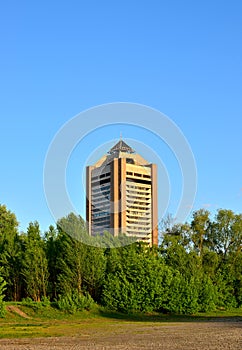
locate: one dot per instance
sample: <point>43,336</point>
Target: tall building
<point>121,192</point>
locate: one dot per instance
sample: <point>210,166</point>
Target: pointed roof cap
<point>121,146</point>
<point>121,150</point>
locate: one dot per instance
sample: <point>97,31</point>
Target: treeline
<point>197,266</point>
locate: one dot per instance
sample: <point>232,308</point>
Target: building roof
<point>121,150</point>
<point>121,146</point>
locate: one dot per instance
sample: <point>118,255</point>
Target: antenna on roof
<point>120,136</point>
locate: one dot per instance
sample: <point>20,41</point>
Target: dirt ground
<point>225,335</point>
<point>16,310</point>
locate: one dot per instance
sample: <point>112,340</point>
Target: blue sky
<point>58,58</point>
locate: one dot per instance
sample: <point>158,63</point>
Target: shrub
<point>74,301</point>
<point>45,301</point>
<point>207,295</point>
<point>36,305</point>
<point>2,304</point>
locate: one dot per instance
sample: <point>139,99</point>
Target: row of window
<point>135,187</point>
<point>139,218</point>
<point>139,198</point>
<point>142,192</point>
<point>144,236</point>
<point>104,198</point>
<point>102,223</point>
<point>100,188</point>
<point>101,207</point>
<point>139,208</point>
<point>138,213</point>
<point>136,202</point>
<point>101,176</point>
<point>137,195</point>
<point>138,224</point>
<point>130,173</point>
<point>104,213</point>
<point>139,229</point>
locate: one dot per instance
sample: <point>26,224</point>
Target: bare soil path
<point>16,310</point>
<point>221,335</point>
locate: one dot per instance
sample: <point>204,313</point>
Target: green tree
<point>93,269</point>
<point>51,255</point>
<point>11,261</point>
<point>227,232</point>
<point>69,264</point>
<point>177,254</point>
<point>200,227</point>
<point>8,226</point>
<point>35,265</point>
<point>207,294</point>
<point>137,279</point>
<point>210,263</point>
<point>10,253</point>
<point>183,294</point>
<point>80,267</point>
<point>235,261</point>
<point>71,253</point>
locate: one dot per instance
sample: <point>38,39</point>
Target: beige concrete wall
<point>154,204</point>
<point>114,197</point>
<point>119,205</point>
<point>122,187</point>
<point>88,198</point>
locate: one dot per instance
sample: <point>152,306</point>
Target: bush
<point>36,305</point>
<point>2,309</point>
<point>74,302</point>
<point>2,304</point>
<point>207,295</point>
<point>45,301</point>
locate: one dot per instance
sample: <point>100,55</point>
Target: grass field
<point>25,321</point>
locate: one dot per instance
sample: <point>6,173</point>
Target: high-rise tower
<point>121,191</point>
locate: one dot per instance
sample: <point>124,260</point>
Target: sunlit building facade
<point>121,191</point>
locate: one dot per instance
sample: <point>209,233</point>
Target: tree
<point>80,268</point>
<point>180,233</point>
<point>71,253</point>
<point>35,266</point>
<point>11,261</point>
<point>69,264</point>
<point>227,232</point>
<point>137,279</point>
<point>200,226</point>
<point>8,226</point>
<point>51,256</point>
<point>235,261</point>
<point>10,253</point>
<point>93,270</point>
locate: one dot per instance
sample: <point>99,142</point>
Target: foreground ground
<point>110,331</point>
